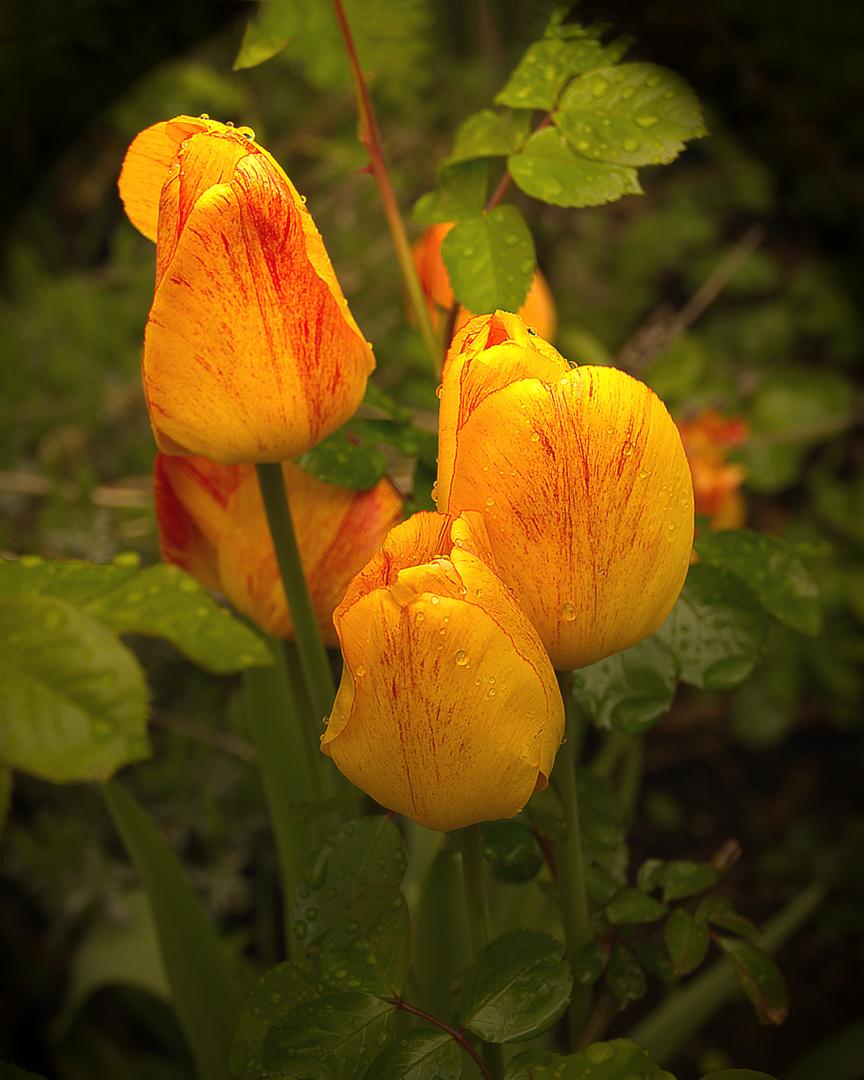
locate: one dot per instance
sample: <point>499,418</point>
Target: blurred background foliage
<point>767,211</point>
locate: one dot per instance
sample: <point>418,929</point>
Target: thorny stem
<point>371,139</point>
<point>457,1036</point>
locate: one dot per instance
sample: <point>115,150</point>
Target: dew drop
<point>420,616</point>
<point>531,331</point>
<point>568,611</point>
<point>627,449</point>
<point>630,145</point>
<point>643,474</point>
<point>360,671</point>
<point>535,436</point>
<point>490,500</point>
<point>434,600</point>
<point>462,658</point>
<point>598,1052</point>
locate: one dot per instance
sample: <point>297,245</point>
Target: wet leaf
<point>687,940</point>
<point>759,977</point>
<point>461,192</point>
<point>491,134</point>
<point>630,691</point>
<point>338,460</point>
<point>625,975</point>
<point>547,65</point>
<point>618,1059</point>
<point>682,877</point>
<point>548,168</point>
<point>375,962</point>
<point>632,906</point>
<point>490,260</point>
<point>424,1053</point>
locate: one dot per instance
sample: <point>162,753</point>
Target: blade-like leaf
<point>490,260</point>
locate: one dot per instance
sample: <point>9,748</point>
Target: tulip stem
<point>313,655</point>
<point>371,139</point>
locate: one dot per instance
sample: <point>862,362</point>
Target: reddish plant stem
<point>454,1034</point>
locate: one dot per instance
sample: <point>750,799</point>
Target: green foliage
<point>337,460</point>
<point>490,260</point>
<point>759,977</point>
<point>615,1060</point>
<point>424,1053</point>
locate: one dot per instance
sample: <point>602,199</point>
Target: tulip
<point>707,439</point>
<point>448,711</point>
<point>212,523</point>
<point>250,352</point>
<point>582,481</point>
<point>538,311</point>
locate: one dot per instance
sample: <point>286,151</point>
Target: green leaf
<point>717,630</point>
<point>490,134</point>
<point>548,168</point>
<point>352,878</point>
<point>424,1053</point>
<point>648,875</point>
<point>490,260</point>
<point>759,977</point>
<point>268,32</point>
<point>773,569</point>
<point>720,911</point>
<point>546,66</point>
<point>590,964</point>
<point>326,1037</point>
<point>625,975</point>
<point>749,1074</point>
<point>631,690</point>
<point>517,988</point>
<point>687,940</point>
<point>70,579</point>
<point>522,1066</point>
<point>461,192</point>
<point>682,877</point>
<point>614,1060</point>
<point>411,441</point>
<point>510,847</point>
<point>276,992</point>
<point>632,906</point>
<point>605,854</point>
<point>73,699</point>
<point>203,988</point>
<point>655,959</point>
<point>630,114</point>
<point>337,460</point>
<point>375,962</point>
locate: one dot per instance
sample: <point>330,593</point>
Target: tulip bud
<point>538,311</point>
<point>250,352</point>
<point>212,523</point>
<point>448,711</point>
<point>582,481</point>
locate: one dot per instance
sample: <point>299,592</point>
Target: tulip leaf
<point>717,630</point>
<point>687,940</point>
<point>633,906</point>
<point>350,881</point>
<point>548,168</point>
<point>424,1053</point>
<point>625,975</point>
<point>682,877</point>
<point>772,568</point>
<point>630,691</point>
<point>517,988</point>
<point>547,65</point>
<point>329,1036</point>
<point>375,962</point>
<point>490,260</point>
<point>276,992</point>
<point>629,114</point>
<point>491,134</point>
<point>461,192</point>
<point>340,461</point>
<point>613,1060</point>
<point>73,699</point>
<point>760,979</point>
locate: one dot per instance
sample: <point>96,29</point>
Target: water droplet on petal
<point>568,611</point>
<point>462,658</point>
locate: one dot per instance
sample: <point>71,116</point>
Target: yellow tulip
<point>250,352</point>
<point>448,711</point>
<point>212,523</point>
<point>582,481</point>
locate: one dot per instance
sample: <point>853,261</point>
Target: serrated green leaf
<point>522,1066</point>
<point>631,690</point>
<point>490,134</point>
<point>411,441</point>
<point>630,114</point>
<point>625,975</point>
<point>759,977</point>
<point>334,1035</point>
<point>461,192</point>
<point>517,988</point>
<point>687,940</point>
<point>632,906</point>
<point>73,699</point>
<point>350,881</point>
<point>614,1060</point>
<point>548,168</point>
<point>276,992</point>
<point>490,260</point>
<point>682,877</point>
<point>424,1053</point>
<point>773,569</point>
<point>375,962</point>
<point>720,911</point>
<point>717,630</point>
<point>69,579</point>
<point>338,460</point>
<point>547,65</point>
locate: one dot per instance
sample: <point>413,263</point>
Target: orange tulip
<point>250,352</point>
<point>582,481</point>
<point>538,311</point>
<point>448,710</point>
<point>212,523</point>
<point>716,482</point>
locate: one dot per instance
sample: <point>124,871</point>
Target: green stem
<point>686,1011</point>
<point>310,647</point>
<point>371,139</point>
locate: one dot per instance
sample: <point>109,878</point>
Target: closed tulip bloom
<point>582,481</point>
<point>538,311</point>
<point>448,711</point>
<point>212,523</point>
<point>250,351</point>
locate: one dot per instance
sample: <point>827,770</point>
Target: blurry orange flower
<point>538,311</point>
<point>716,482</point>
<point>212,523</point>
<point>250,352</point>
